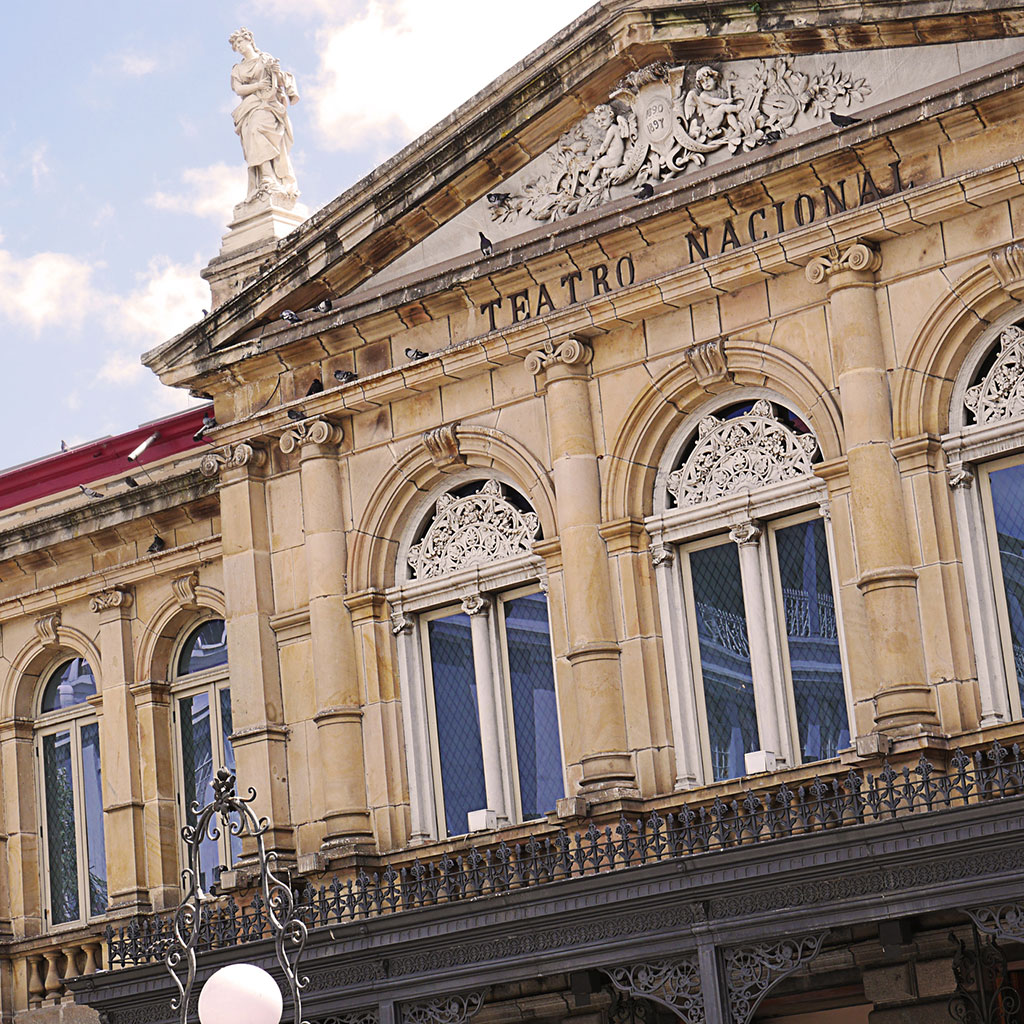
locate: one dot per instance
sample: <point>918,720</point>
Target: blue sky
<point>119,166</point>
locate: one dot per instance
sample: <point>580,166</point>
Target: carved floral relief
<point>663,121</point>
<point>1000,393</point>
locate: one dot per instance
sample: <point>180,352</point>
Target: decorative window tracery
<point>999,395</point>
<point>472,530</point>
<point>741,453</point>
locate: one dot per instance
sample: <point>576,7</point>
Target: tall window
<point>745,578</point>
<point>482,715</point>
<point>68,751</point>
<point>202,703</point>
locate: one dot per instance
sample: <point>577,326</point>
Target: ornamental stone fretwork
<point>231,457</point>
<point>675,984</point>
<point>114,597</point>
<point>858,256</point>
<point>1008,264</point>
<point>1000,394</point>
<point>571,352</point>
<point>741,453</point>
<point>752,971</point>
<point>476,529</point>
<point>442,445</point>
<point>310,432</point>
<point>663,121</point>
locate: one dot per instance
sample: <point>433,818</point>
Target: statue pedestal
<point>250,243</point>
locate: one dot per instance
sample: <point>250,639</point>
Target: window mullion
<point>747,537</point>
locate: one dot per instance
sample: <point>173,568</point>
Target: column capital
<point>746,533</point>
<point>570,353</point>
<point>475,604</point>
<point>232,457</point>
<point>857,256</point>
<point>111,598</point>
<point>318,432</point>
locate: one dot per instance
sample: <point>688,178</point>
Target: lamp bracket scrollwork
<point>672,983</point>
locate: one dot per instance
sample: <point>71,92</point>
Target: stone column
<point>747,537</point>
<point>123,823</point>
<point>593,644</point>
<point>256,701</point>
<point>904,702</point>
<point>336,676</point>
<point>478,608</point>
<point>21,825</point>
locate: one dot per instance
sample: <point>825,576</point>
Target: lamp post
<point>238,993</point>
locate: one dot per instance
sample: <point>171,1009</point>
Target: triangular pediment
<point>629,102</point>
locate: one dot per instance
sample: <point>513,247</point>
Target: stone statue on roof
<point>261,119</point>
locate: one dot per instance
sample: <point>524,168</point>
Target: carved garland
<point>1000,396</point>
<point>742,453</point>
<point>474,530</point>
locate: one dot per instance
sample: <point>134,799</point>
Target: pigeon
<point>63,446</point>
<point>486,246</point>
<point>324,307</point>
<point>158,545</point>
<point>315,388</point>
<point>291,316</point>
<point>415,353</point>
<point>208,421</point>
<point>645,191</point>
<point>131,481</point>
<point>206,312</point>
<point>89,492</point>
<point>842,121</point>
<point>498,198</point>
<point>345,376</point>
<point>296,414</point>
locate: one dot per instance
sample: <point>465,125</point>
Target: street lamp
<point>239,993</point>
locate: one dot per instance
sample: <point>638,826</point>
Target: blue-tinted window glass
<point>813,640</point>
<point>534,711</point>
<point>70,684</point>
<point>92,798</point>
<point>197,769</point>
<point>724,658</point>
<point>206,647</point>
<point>1008,507</point>
<point>61,838</point>
<point>458,723</point>
<point>229,758</point>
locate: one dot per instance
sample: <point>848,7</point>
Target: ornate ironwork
<point>984,994</point>
<point>1002,921</point>
<point>750,819</point>
<point>675,984</point>
<point>357,1017</point>
<point>627,1010</point>
<point>274,906</point>
<point>444,1010</point>
<point>752,971</point>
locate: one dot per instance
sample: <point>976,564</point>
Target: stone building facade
<point>613,587</point>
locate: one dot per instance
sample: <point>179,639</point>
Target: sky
<point>119,167</point>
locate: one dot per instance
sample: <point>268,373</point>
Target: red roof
<point>97,460</point>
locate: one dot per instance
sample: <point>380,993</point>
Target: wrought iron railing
<point>750,819</point>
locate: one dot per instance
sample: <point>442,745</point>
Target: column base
<point>607,771</point>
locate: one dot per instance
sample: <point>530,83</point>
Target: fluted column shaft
<point>593,645</point>
<point>339,699</point>
<point>904,702</point>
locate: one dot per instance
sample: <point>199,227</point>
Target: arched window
<point>985,450</point>
<point>68,753</point>
<point>472,621</point>
<point>743,563</point>
<point>202,712</point>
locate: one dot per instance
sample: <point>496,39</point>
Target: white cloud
<point>358,102</point>
<point>47,289</point>
<point>170,297</point>
<point>135,65</point>
<point>38,165</point>
<point>207,192</point>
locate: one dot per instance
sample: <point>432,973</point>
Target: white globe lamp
<point>240,994</point>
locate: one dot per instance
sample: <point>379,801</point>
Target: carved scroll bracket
<point>184,588</point>
<point>318,432</point>
<point>752,971</point>
<point>46,628</point>
<point>450,1010</point>
<point>675,984</point>
<point>858,256</point>
<point>571,352</point>
<point>707,360</point>
<point>1008,264</point>
<point>232,457</point>
<point>442,444</point>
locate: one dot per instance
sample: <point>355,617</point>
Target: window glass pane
<point>229,760</point>
<point>62,851</point>
<point>724,658</point>
<point>534,713</point>
<point>92,798</point>
<point>1008,507</point>
<point>197,769</point>
<point>458,724</point>
<point>69,685</point>
<point>813,640</point>
<point>206,647</point>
